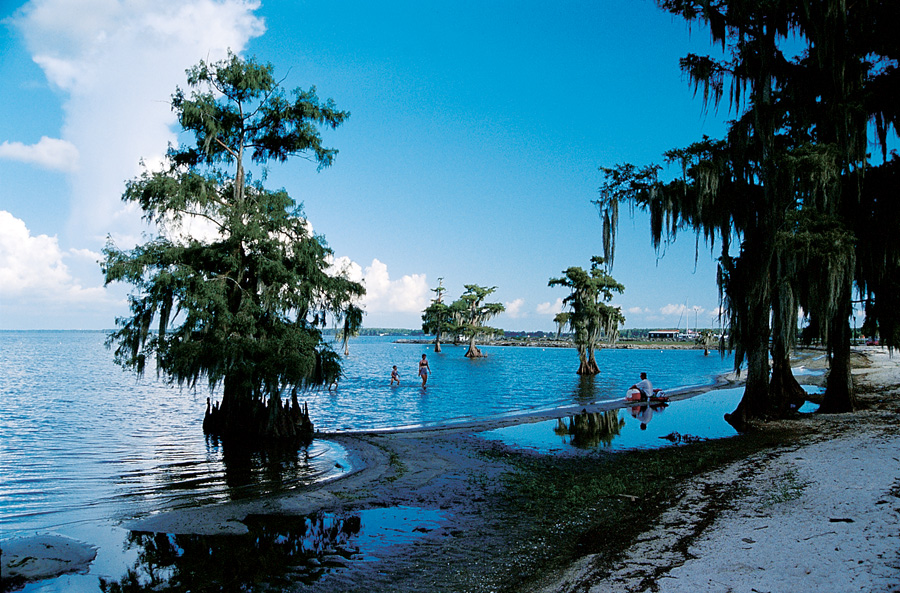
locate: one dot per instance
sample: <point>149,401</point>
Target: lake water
<point>509,380</point>
<point>83,442</point>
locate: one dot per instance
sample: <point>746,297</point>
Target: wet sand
<point>795,521</point>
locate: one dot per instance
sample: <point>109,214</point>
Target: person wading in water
<point>424,369</point>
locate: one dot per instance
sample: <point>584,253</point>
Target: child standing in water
<point>424,369</point>
<point>395,376</point>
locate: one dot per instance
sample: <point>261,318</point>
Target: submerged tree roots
<point>274,421</point>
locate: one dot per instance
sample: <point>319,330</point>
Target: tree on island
<point>244,309</point>
<point>591,318</point>
<point>437,318</point>
<point>474,313</point>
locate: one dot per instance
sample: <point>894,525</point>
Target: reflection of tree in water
<point>590,388</point>
<point>276,552</point>
<point>264,470</point>
<point>590,429</point>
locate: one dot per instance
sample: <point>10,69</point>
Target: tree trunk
<point>473,351</point>
<point>437,341</point>
<point>757,250</point>
<point>755,404</point>
<point>235,417</point>
<point>839,396</point>
<point>785,392</point>
<point>588,364</point>
<point>244,419</point>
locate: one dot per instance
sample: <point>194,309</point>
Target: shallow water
<point>83,442</point>
<point>644,426</point>
<point>509,380</point>
<point>80,439</point>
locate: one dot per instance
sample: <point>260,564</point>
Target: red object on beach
<point>634,395</point>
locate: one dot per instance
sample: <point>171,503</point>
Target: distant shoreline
<point>539,343</point>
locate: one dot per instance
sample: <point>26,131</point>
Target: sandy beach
<point>824,516</point>
<point>821,514</point>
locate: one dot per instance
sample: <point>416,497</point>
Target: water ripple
<point>82,440</point>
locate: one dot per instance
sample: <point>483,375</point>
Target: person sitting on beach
<point>644,386</point>
<point>395,376</point>
<point>424,369</point>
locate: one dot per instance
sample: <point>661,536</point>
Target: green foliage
<point>244,308</point>
<point>470,313</point>
<point>476,312</point>
<point>796,151</point>
<point>591,318</point>
<point>784,488</point>
<point>237,104</point>
<point>561,320</point>
<point>437,318</point>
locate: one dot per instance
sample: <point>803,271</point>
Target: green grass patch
<point>599,503</point>
<point>786,487</point>
<point>398,465</point>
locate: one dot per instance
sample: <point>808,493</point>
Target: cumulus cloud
<point>637,311</point>
<point>514,308</point>
<point>408,294</point>
<point>671,309</point>
<point>550,308</point>
<point>118,63</point>
<point>33,267</point>
<point>48,153</point>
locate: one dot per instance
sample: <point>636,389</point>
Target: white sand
<point>45,556</point>
<point>823,517</point>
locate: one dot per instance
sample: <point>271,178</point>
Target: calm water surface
<point>507,381</point>
<point>83,442</point>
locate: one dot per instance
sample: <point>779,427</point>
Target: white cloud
<point>32,267</point>
<point>671,309</point>
<point>514,308</point>
<point>637,311</point>
<point>408,294</point>
<point>118,63</point>
<point>86,255</point>
<point>48,153</point>
<point>550,308</point>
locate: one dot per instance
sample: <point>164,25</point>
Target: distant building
<point>663,334</point>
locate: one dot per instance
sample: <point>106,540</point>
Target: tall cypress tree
<point>244,308</point>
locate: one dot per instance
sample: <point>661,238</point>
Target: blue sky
<point>471,153</point>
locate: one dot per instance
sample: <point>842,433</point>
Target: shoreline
<point>780,520</point>
<point>552,343</point>
<point>434,467</point>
